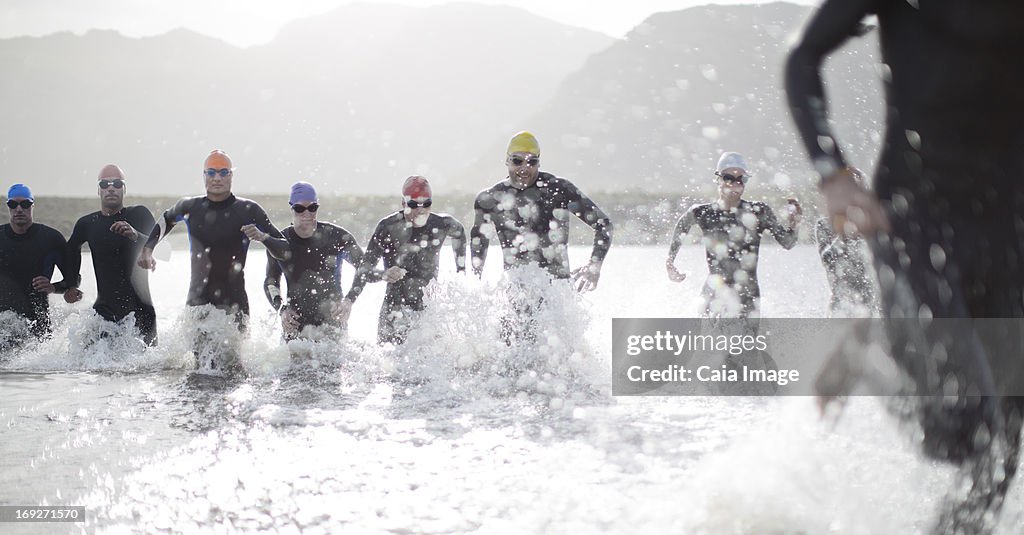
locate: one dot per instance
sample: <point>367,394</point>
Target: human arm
<point>786,236</point>
<point>170,218</point>
<point>368,262</point>
<point>586,277</point>
<point>478,240</point>
<point>272,282</point>
<point>457,236</point>
<point>850,207</point>
<point>683,225</point>
<point>74,263</point>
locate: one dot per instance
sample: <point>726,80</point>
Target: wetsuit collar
<point>225,202</point>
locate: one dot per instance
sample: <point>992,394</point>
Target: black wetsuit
<point>24,257</point>
<point>418,251</point>
<point>532,224</point>
<point>732,241</point>
<point>121,286</point>
<point>846,266</point>
<point>950,178</point>
<point>312,267</point>
<point>218,248</point>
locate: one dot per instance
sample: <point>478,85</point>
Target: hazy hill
<point>355,99</point>
<point>653,111</point>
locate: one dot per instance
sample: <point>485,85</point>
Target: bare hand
<point>394,274</point>
<point>72,295</point>
<point>146,260</point>
<point>124,228</point>
<point>43,285</point>
<point>674,274</point>
<point>853,209</point>
<point>289,321</point>
<point>795,213</point>
<point>254,233</point>
<point>342,311</point>
<point>585,278</point>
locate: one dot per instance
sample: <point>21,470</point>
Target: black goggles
<point>299,208</point>
<point>117,183</point>
<point>211,172</point>
<point>414,204</point>
<point>24,204</point>
<point>736,179</point>
<point>519,161</point>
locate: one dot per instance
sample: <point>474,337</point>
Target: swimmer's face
<point>111,192</point>
<point>730,183</point>
<point>21,216</point>
<point>218,172</point>
<point>416,210</point>
<point>304,213</point>
<point>523,168</point>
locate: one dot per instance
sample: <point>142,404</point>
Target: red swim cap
<point>416,187</point>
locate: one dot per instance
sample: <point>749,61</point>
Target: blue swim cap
<point>20,190</point>
<point>302,192</point>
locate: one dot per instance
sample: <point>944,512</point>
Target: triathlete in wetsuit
<point>218,243</point>
<point>732,230</point>
<point>28,253</point>
<point>311,263</point>
<point>410,243</point>
<point>529,215</point>
<point>116,235</point>
<point>951,196</point>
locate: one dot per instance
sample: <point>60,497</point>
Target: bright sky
<point>251,22</point>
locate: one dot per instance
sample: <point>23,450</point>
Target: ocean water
<point>454,432</point>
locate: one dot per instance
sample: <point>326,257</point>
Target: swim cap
<point>416,187</point>
<point>302,192</point>
<point>732,160</point>
<point>20,190</point>
<point>111,171</point>
<point>218,159</point>
<point>523,142</point>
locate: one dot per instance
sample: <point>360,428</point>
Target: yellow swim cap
<point>524,142</point>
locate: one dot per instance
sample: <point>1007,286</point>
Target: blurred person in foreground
<point>943,220</point>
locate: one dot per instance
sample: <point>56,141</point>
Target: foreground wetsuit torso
<point>950,178</point>
<point>121,287</point>
<point>415,249</point>
<point>732,241</point>
<point>218,247</point>
<point>532,224</point>
<point>24,257</point>
<point>312,267</point>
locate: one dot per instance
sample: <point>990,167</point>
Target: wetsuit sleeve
<point>833,23</point>
<point>272,282</point>
<point>785,236</point>
<point>170,218</point>
<point>59,257</point>
<point>353,253</point>
<point>374,251</point>
<point>73,277</point>
<point>457,235</point>
<point>478,241</point>
<point>275,242</point>
<point>587,211</point>
<point>686,221</point>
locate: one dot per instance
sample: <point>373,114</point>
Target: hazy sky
<point>249,22</point>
